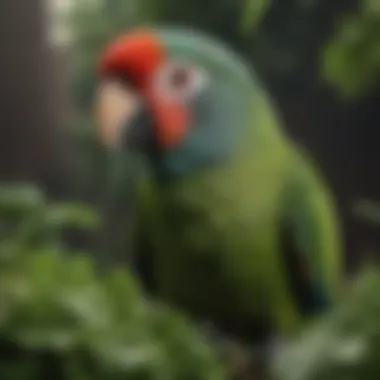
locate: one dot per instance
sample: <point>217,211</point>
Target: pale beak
<point>116,105</point>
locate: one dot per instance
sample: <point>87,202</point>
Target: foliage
<point>345,345</point>
<point>59,318</point>
<point>28,220</point>
<point>253,13</point>
<point>352,59</point>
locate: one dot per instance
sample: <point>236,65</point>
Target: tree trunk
<point>29,106</point>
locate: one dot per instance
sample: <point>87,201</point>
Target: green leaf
<point>72,215</point>
<point>253,13</point>
<point>351,60</point>
<point>19,199</point>
<point>345,344</point>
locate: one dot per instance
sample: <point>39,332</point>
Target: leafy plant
<point>59,318</point>
<point>253,13</point>
<point>28,219</point>
<point>351,60</point>
<point>345,345</point>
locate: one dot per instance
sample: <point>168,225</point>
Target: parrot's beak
<point>124,119</point>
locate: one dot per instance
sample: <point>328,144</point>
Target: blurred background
<point>320,61</point>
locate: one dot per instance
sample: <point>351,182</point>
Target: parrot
<point>235,223</point>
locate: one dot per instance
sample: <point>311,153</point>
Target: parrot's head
<point>177,96</point>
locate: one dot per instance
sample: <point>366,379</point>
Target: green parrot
<point>236,223</point>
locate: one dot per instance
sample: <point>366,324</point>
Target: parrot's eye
<point>180,81</point>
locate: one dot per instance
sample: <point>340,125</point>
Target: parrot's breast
<point>217,231</point>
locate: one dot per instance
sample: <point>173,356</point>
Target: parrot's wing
<point>311,239</point>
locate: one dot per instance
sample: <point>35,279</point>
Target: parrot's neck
<point>262,147</point>
<point>244,133</point>
<point>249,180</point>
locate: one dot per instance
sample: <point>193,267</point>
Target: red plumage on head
<point>134,56</point>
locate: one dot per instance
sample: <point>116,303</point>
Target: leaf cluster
<point>60,319</point>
